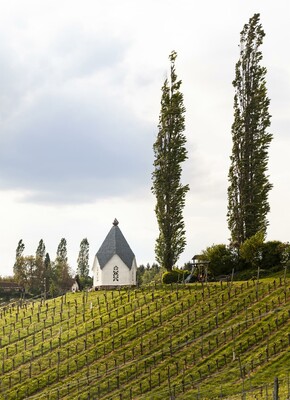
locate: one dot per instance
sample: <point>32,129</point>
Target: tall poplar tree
<point>249,184</point>
<point>39,260</point>
<point>83,264</point>
<point>83,259</point>
<point>170,152</point>
<point>19,266</point>
<point>62,277</point>
<point>40,251</point>
<point>48,274</point>
<point>20,249</point>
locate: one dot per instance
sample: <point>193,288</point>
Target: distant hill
<point>192,341</point>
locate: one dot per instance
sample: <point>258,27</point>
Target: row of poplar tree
<point>249,184</point>
<point>38,274</point>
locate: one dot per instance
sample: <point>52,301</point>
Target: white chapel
<point>115,263</point>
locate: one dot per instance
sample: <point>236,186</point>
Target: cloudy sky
<point>79,104</point>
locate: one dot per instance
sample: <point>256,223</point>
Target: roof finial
<point>116,222</point>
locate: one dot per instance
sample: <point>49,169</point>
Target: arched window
<point>115,273</point>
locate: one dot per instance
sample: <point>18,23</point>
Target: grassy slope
<point>188,341</point>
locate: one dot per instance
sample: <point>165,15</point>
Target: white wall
<point>105,276</point>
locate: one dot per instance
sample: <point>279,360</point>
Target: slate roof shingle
<point>115,243</point>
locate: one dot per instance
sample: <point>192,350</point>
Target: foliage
<point>62,279</point>
<point>174,276</point>
<point>37,279</point>
<point>222,259</point>
<point>83,264</point>
<point>170,152</point>
<point>139,273</point>
<point>30,276</point>
<point>286,254</point>
<point>148,274</point>
<point>249,185</point>
<point>83,259</point>
<point>18,268</point>
<point>254,252</point>
<point>6,278</point>
<point>251,249</point>
<point>20,249</point>
<point>33,275</point>
<point>29,271</point>
<point>272,254</point>
<point>48,274</point>
<point>187,266</point>
<point>40,251</point>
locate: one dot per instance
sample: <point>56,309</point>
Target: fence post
<point>276,389</point>
<point>266,391</point>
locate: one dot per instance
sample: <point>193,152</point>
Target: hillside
<point>183,341</point>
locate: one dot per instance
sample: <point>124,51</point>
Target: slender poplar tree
<point>248,181</point>
<point>40,251</point>
<point>48,274</point>
<point>170,152</point>
<point>39,273</point>
<point>20,250</point>
<point>61,262</point>
<point>83,264</point>
<point>62,277</point>
<point>39,259</point>
<point>19,266</point>
<point>83,259</point>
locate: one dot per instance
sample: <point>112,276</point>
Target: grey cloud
<point>64,137</point>
<point>65,151</point>
<point>82,53</point>
<point>73,54</point>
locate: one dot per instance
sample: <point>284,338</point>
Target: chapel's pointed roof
<point>115,243</point>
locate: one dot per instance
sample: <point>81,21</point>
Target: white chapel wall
<point>116,272</point>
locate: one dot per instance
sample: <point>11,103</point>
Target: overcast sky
<point>80,89</point>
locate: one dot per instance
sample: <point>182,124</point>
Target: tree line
<point>249,183</point>
<point>38,274</point>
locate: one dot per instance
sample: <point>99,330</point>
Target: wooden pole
<point>257,283</point>
<point>276,389</point>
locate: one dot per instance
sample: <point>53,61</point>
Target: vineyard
<point>195,341</point>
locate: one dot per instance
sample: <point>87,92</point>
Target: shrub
<point>264,254</point>
<point>176,275</point>
<point>272,254</point>
<point>251,249</point>
<point>222,259</point>
<point>150,274</point>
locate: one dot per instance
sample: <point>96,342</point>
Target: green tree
<point>148,274</point>
<point>20,249</point>
<point>251,249</point>
<point>39,264</point>
<point>249,184</point>
<point>33,285</point>
<point>19,270</point>
<point>222,259</point>
<point>25,274</point>
<point>83,264</point>
<point>139,273</point>
<point>83,259</point>
<point>62,279</point>
<point>47,275</point>
<point>170,152</point>
<point>40,251</point>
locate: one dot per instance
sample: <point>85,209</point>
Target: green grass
<point>187,341</point>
